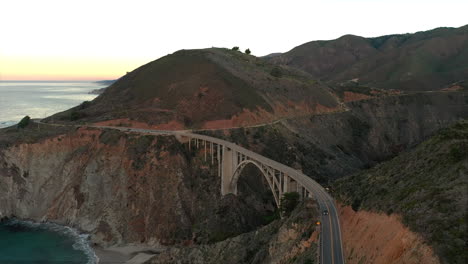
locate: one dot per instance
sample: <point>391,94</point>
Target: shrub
<point>84,105</point>
<point>236,48</point>
<point>272,217</point>
<point>276,72</point>
<point>24,122</point>
<point>247,51</point>
<point>76,115</point>
<point>356,205</point>
<point>459,152</point>
<point>289,201</point>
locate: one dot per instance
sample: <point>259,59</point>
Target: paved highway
<point>331,251</point>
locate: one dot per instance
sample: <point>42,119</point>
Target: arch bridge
<point>231,159</point>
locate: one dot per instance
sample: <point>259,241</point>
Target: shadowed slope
<point>426,185</point>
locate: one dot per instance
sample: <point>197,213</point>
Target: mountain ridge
<point>421,61</point>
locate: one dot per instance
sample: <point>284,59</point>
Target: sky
<point>100,39</point>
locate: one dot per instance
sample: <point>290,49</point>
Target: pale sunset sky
<point>99,39</point>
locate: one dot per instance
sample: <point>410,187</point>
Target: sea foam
<point>81,241</point>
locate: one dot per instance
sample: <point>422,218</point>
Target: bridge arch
<point>266,172</point>
<point>232,159</point>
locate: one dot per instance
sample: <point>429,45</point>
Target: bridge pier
<point>231,162</point>
<point>228,166</point>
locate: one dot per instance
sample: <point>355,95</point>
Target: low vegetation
<point>288,203</point>
<point>30,133</point>
<point>427,186</point>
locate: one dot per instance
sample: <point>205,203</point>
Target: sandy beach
<point>131,254</point>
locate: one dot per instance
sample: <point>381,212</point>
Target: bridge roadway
<point>331,251</point>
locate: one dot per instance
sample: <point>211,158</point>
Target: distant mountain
<point>106,82</point>
<point>101,90</point>
<point>208,88</point>
<point>97,91</point>
<point>429,60</point>
<point>272,55</point>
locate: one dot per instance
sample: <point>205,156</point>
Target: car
<point>325,212</point>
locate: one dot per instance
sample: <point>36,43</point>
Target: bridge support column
<point>285,183</point>
<point>211,153</point>
<point>292,187</point>
<point>218,156</point>
<point>228,167</point>
<point>205,149</point>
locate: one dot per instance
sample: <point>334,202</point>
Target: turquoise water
<point>24,242</point>
<point>40,99</point>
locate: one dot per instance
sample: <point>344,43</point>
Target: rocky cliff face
<point>124,188</point>
<point>290,240</point>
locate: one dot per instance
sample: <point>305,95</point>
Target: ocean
<point>39,99</point>
<point>25,242</point>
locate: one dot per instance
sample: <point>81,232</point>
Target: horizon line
<point>58,80</point>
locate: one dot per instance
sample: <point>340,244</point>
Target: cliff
<point>125,188</point>
<point>148,190</point>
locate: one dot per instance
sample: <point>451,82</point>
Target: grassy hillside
<point>195,86</point>
<point>427,186</point>
<point>427,60</point>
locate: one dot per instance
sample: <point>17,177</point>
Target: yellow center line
<point>331,232</point>
<point>331,228</point>
<point>321,246</point>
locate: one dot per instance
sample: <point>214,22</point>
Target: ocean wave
<point>7,123</point>
<point>81,241</point>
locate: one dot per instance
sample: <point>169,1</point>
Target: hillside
<point>429,60</point>
<point>427,186</point>
<point>329,146</point>
<point>206,88</point>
